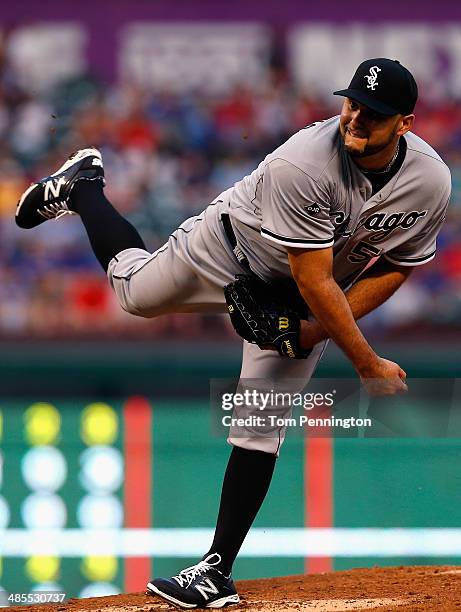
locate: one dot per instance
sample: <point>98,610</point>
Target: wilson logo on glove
<point>289,349</point>
<point>284,323</point>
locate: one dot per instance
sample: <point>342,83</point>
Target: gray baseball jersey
<point>309,193</point>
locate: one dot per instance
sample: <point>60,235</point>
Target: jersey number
<point>363,251</point>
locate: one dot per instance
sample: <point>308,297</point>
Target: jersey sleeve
<point>422,248</point>
<point>295,209</point>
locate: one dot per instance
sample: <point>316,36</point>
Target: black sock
<point>246,482</point>
<point>108,231</point>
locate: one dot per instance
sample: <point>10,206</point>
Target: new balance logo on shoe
<point>50,198</point>
<point>206,587</point>
<point>53,188</point>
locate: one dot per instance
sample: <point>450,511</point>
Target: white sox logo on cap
<point>395,93</point>
<point>371,78</point>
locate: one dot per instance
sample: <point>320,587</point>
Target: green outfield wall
<point>77,368</point>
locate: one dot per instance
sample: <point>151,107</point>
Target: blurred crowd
<point>166,156</point>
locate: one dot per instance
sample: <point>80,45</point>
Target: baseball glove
<point>267,314</point>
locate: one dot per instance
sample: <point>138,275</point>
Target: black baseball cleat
<point>198,586</point>
<point>50,197</point>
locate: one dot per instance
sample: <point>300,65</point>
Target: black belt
<point>230,235</point>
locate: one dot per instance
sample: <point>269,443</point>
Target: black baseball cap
<point>384,85</point>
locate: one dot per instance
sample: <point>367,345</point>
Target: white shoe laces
<point>187,575</point>
<point>55,210</point>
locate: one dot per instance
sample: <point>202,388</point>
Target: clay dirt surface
<point>398,589</point>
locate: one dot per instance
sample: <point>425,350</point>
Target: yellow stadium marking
<point>43,569</point>
<point>42,424</point>
<point>99,424</point>
<point>100,568</point>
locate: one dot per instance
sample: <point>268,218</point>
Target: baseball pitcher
<point>291,242</point>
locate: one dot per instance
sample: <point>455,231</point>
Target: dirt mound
<point>384,589</point>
